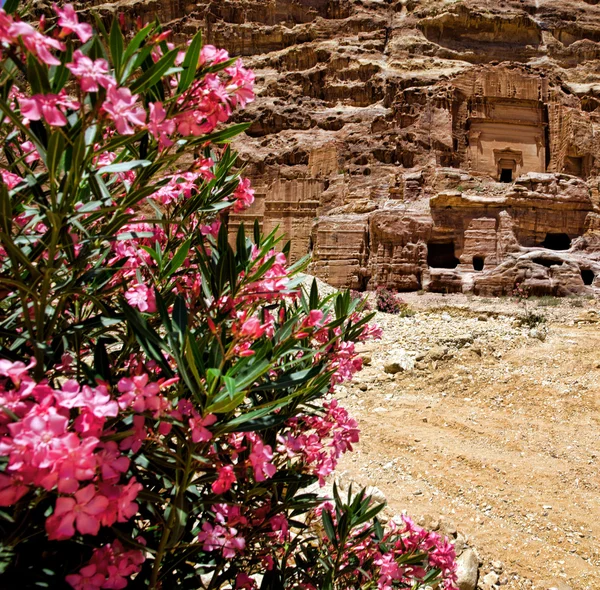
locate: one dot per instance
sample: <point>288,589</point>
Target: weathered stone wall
<point>381,130</point>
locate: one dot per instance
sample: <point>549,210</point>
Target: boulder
<point>468,570</point>
<point>399,361</point>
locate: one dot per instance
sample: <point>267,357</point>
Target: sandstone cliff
<point>419,144</point>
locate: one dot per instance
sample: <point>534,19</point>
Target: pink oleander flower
<point>15,370</point>
<point>88,578</point>
<point>241,84</point>
<point>12,489</point>
<point>47,107</point>
<point>215,538</point>
<point>120,106</point>
<point>198,426</point>
<point>211,230</point>
<point>9,179</point>
<point>244,582</point>
<point>260,458</point>
<point>36,42</point>
<point>210,54</point>
<point>82,512</point>
<point>91,73</point>
<point>125,505</point>
<point>280,526</point>
<point>112,563</point>
<point>140,394</point>
<point>111,462</point>
<point>5,23</point>
<point>95,399</point>
<point>314,318</point>
<point>68,20</point>
<point>209,106</point>
<point>252,328</point>
<point>244,195</point>
<point>35,439</point>
<point>203,167</point>
<point>142,297</point>
<point>138,436</point>
<point>77,462</point>
<point>224,481</point>
<point>161,127</point>
<point>30,152</point>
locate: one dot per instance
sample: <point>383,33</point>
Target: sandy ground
<point>502,439</point>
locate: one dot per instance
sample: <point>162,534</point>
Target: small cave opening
<point>441,255</point>
<point>478,262</point>
<point>587,276</point>
<point>556,242</point>
<point>506,175</point>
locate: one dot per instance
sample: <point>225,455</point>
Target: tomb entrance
<point>441,255</point>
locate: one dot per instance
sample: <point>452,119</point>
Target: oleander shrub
<point>389,302</point>
<point>165,395</point>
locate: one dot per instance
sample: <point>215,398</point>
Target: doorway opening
<point>557,242</point>
<point>478,262</point>
<point>506,175</point>
<point>587,276</point>
<point>441,255</point>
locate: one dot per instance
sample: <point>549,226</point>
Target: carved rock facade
<point>420,144</point>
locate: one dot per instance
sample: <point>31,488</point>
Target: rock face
<point>392,141</point>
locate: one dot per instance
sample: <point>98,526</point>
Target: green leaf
<point>60,74</point>
<point>224,135</point>
<point>37,74</point>
<point>178,259</point>
<point>314,295</point>
<point>180,314</point>
<point>190,63</point>
<point>124,166</point>
<point>136,42</point>
<point>55,152</point>
<point>10,6</point>
<point>152,75</point>
<point>148,339</point>
<point>329,528</point>
<point>116,45</point>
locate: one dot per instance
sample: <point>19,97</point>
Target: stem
<point>162,547</point>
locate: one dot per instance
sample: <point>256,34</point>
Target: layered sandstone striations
<point>441,145</point>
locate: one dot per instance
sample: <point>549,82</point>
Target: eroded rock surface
<point>437,145</point>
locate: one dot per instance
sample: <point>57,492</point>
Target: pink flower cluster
<point>244,196</point>
<point>414,539</point>
<point>273,284</point>
<point>50,107</point>
<point>52,440</point>
<point>319,441</point>
<point>426,551</point>
<point>182,185</point>
<point>211,101</point>
<point>109,567</point>
<point>206,104</point>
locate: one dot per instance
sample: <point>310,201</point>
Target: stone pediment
<point>509,154</point>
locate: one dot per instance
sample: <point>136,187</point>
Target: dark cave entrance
<point>478,263</point>
<point>441,255</point>
<point>556,242</point>
<point>587,276</point>
<point>506,175</point>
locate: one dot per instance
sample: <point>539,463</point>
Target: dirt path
<point>505,445</point>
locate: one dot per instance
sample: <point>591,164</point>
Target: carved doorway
<point>508,162</point>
